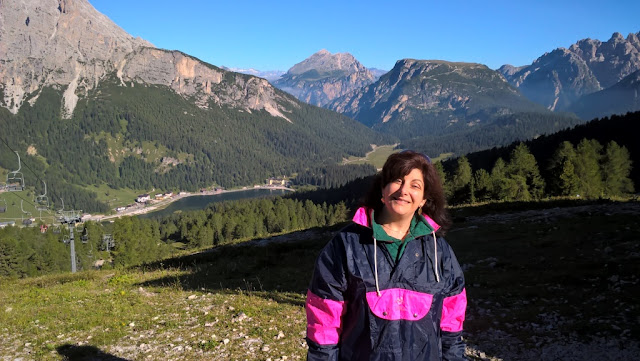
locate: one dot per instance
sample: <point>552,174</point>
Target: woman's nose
<point>404,188</point>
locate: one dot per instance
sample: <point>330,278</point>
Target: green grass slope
<point>547,278</point>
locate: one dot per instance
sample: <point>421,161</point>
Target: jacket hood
<point>363,218</point>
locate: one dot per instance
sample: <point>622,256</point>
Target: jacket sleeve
<point>453,309</point>
<point>325,303</point>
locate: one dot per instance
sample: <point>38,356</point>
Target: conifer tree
<point>587,167</point>
<point>461,181</point>
<point>523,168</point>
<point>499,180</point>
<point>616,167</point>
<point>443,177</point>
<point>483,185</point>
<point>564,180</point>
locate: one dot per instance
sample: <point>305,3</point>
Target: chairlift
<point>85,235</point>
<point>15,179</point>
<point>55,229</point>
<point>70,217</point>
<point>3,205</point>
<point>42,201</point>
<point>107,242</point>
<point>23,211</point>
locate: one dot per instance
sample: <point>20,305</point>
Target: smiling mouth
<point>400,200</point>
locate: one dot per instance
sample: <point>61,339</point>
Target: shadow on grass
<point>273,270</point>
<point>86,353</point>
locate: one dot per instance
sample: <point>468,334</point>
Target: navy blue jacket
<point>414,311</point>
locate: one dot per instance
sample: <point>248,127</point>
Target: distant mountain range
<point>419,97</point>
<point>84,103</point>
<point>556,80</point>
<point>620,98</point>
<point>270,75</point>
<point>561,77</point>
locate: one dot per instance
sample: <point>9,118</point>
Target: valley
<point>539,163</point>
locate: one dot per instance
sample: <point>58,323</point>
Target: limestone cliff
<point>69,45</point>
<point>560,77</point>
<point>430,96</point>
<point>324,77</point>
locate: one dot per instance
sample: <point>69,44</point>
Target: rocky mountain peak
<point>560,77</point>
<point>324,76</point>
<point>68,44</point>
<point>616,37</point>
<point>325,62</point>
<point>417,93</point>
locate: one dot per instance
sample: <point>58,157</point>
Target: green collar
<point>419,227</point>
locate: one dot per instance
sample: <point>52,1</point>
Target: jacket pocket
<point>399,304</point>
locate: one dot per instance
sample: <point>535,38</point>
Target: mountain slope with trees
<point>562,76</point>
<point>591,160</point>
<point>620,98</point>
<point>147,137</point>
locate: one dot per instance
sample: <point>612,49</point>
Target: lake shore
<point>147,208</point>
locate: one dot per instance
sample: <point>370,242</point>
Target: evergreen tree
<point>500,183</point>
<point>461,181</point>
<point>445,181</point>
<point>564,180</point>
<point>616,168</point>
<point>523,168</point>
<point>483,187</point>
<point>588,156</point>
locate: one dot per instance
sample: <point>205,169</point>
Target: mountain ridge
<point>435,95</point>
<point>323,77</point>
<point>61,55</point>
<point>559,77</point>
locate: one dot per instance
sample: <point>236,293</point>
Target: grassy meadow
<point>537,275</point>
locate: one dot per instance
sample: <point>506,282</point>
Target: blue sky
<point>275,35</point>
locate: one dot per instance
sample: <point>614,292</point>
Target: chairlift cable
<point>23,162</point>
<point>34,173</point>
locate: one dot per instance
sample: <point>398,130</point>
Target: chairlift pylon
<point>15,179</point>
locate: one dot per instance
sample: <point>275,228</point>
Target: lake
<point>198,202</point>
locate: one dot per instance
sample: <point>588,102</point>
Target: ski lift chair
<point>15,179</point>
<point>85,235</point>
<point>42,201</point>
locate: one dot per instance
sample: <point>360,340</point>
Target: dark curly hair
<point>399,165</point>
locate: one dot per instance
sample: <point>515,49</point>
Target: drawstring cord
<point>375,260</point>
<point>435,252</point>
<point>375,264</point>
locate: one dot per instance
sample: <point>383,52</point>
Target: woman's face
<point>403,196</point>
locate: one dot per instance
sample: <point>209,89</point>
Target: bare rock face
<point>559,78</point>
<point>416,89</point>
<point>324,77</point>
<point>69,45</point>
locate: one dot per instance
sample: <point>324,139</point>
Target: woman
<point>385,288</point>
